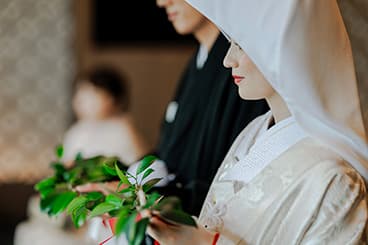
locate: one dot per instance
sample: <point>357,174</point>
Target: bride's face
<point>251,82</point>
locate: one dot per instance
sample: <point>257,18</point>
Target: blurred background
<point>45,43</point>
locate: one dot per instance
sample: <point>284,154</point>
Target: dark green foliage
<point>129,203</point>
<point>58,192</point>
<point>146,162</point>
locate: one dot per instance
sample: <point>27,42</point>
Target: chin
<point>248,96</point>
<point>242,95</point>
<point>183,31</point>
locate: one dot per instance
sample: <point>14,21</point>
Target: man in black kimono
<point>206,113</point>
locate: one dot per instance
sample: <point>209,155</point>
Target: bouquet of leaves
<point>132,203</point>
<point>58,190</point>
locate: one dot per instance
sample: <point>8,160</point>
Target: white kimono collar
<point>269,146</point>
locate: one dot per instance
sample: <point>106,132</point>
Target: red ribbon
<point>215,238</point>
<point>112,224</point>
<point>108,239</point>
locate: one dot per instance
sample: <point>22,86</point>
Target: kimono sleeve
<point>342,215</point>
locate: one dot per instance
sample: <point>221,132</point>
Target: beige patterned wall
<point>36,66</point>
<point>355,13</point>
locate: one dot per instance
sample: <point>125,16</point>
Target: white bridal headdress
<point>303,50</point>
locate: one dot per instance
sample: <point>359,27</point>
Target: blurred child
<point>104,125</point>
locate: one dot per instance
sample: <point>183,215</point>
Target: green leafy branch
<point>132,203</point>
<point>58,191</point>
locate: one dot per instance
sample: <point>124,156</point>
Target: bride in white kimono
<point>298,174</point>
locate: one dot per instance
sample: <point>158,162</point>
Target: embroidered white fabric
<point>271,144</point>
<point>246,159</point>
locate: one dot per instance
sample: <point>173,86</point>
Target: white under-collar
<point>267,147</point>
<point>202,56</point>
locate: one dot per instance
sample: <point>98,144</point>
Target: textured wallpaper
<point>36,69</point>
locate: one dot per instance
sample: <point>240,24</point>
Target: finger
<point>84,188</point>
<point>92,187</point>
<point>113,185</point>
<point>102,187</point>
<point>155,228</point>
<point>164,221</point>
<point>156,221</point>
<point>106,216</point>
<point>152,232</point>
<point>69,164</point>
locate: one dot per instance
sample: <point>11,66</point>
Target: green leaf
<point>145,163</point>
<point>46,192</point>
<point>177,216</point>
<point>168,203</point>
<point>126,190</point>
<point>130,228</point>
<point>59,151</point>
<point>97,178</point>
<point>78,157</point>
<point>119,185</point>
<point>72,176</point>
<point>122,176</point>
<point>140,231</point>
<point>94,196</point>
<point>62,187</point>
<point>46,202</point>
<point>61,202</point>
<point>45,184</point>
<point>147,173</point>
<point>113,213</point>
<point>79,216</point>
<point>152,198</point>
<point>59,169</point>
<point>149,184</point>
<point>103,208</point>
<point>96,172</point>
<point>170,209</point>
<point>109,170</point>
<point>110,161</point>
<point>128,194</point>
<point>94,199</point>
<point>122,220</point>
<point>77,203</point>
<point>113,199</point>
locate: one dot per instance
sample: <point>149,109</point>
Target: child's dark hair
<point>109,80</point>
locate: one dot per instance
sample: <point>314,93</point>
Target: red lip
<point>237,79</point>
<point>171,16</point>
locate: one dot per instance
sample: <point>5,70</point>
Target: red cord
<point>112,223</point>
<point>215,238</point>
<point>156,243</point>
<point>108,239</point>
